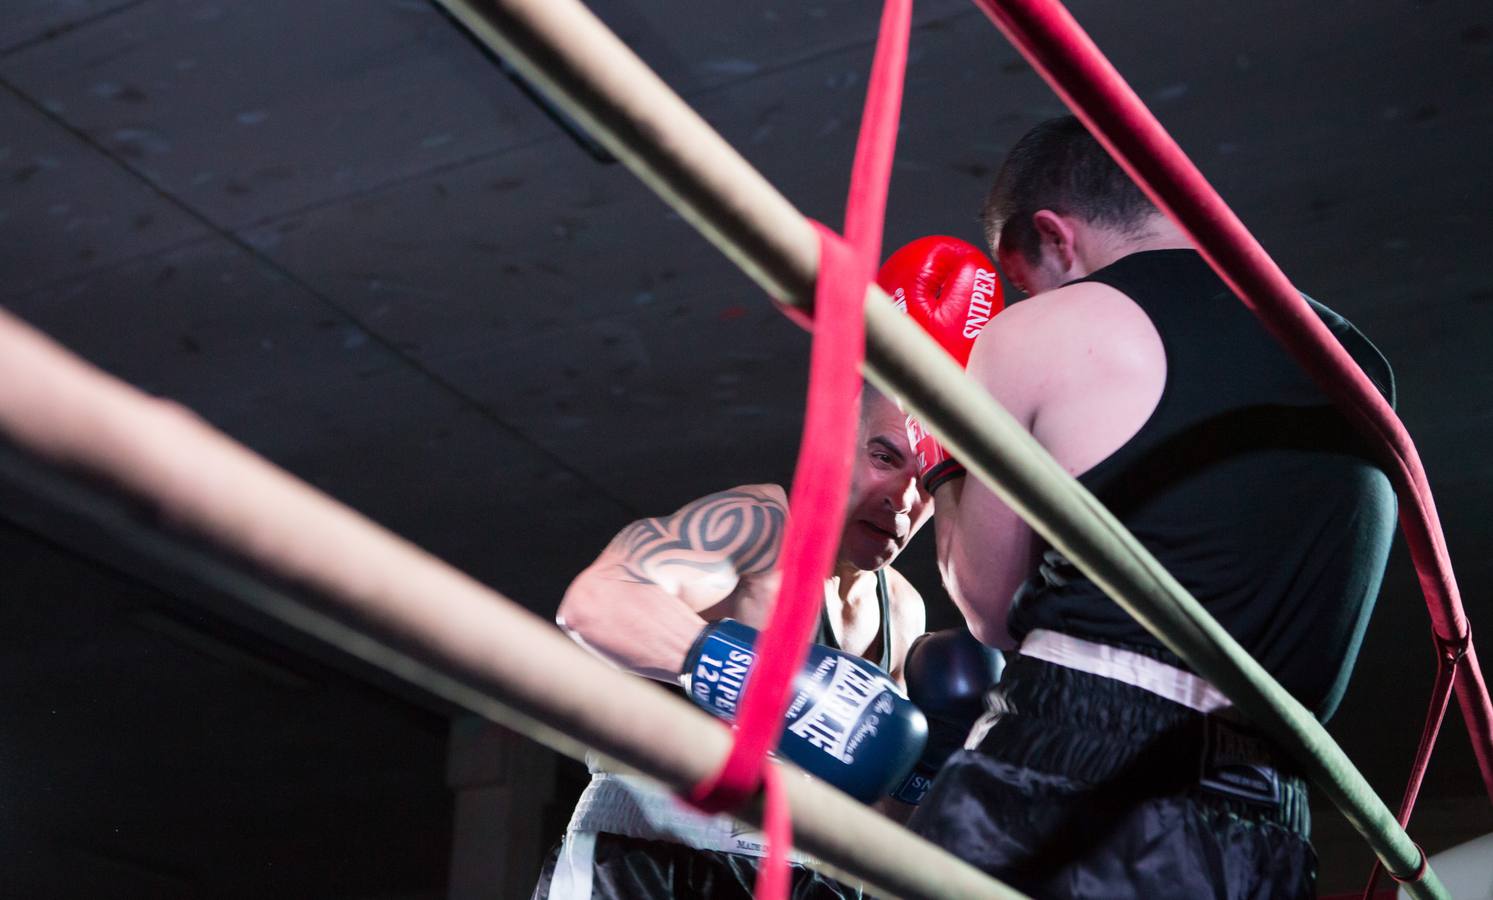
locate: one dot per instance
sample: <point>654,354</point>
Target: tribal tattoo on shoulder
<point>733,532</point>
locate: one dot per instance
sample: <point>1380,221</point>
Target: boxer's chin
<point>868,549</point>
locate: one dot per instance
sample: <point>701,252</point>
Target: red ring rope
<point>821,480</point>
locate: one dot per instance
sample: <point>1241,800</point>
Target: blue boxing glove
<point>846,723</point>
<point>948,674</point>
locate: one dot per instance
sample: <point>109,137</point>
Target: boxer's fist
<point>948,286</point>
<point>846,723</point>
<point>948,674</point>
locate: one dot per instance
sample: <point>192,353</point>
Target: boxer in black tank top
<point>1100,769</point>
<point>648,595</point>
<point>1232,483</point>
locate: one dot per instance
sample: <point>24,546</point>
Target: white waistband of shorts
<point>634,807</point>
<point>1134,669</point>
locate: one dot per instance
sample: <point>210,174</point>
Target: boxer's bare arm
<point>641,603</point>
<point>984,547</point>
<point>1081,368</point>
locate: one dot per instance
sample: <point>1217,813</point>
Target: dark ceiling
<point>339,233</point>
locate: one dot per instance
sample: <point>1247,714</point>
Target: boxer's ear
<point>1056,234</point>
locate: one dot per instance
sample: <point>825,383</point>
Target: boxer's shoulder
<point>1045,342</point>
<point>1056,315</point>
<point>718,509</point>
<point>767,494</point>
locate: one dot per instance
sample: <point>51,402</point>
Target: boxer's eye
<point>883,454</point>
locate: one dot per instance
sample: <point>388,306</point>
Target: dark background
<point>336,231</point>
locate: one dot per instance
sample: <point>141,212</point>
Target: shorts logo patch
<point>1238,764</point>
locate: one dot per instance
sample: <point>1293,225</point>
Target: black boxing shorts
<point>1087,787</point>
<point>613,867</point>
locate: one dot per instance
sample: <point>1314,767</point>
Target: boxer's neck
<point>853,607</point>
<point>1098,246</point>
<point>852,585</point>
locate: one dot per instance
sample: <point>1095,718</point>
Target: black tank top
<point>826,634</point>
<point>1245,483</point>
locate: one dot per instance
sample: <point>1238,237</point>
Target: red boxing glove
<point>949,288</point>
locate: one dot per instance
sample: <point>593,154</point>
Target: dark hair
<point>1059,166</point>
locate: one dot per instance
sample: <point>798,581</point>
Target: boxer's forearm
<point>983,547</point>
<point>638,627</point>
<point>950,542</point>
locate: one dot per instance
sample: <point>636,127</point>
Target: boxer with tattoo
<point>665,588</point>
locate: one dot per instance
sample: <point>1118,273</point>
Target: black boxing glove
<point>846,723</point>
<point>948,674</point>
